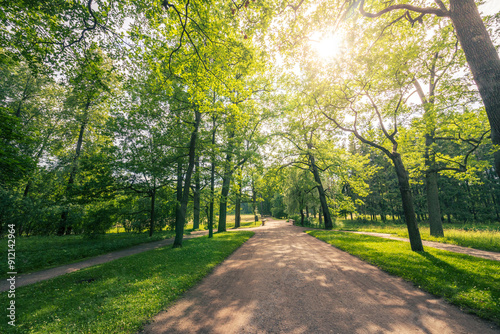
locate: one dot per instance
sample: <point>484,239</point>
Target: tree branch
<point>425,10</point>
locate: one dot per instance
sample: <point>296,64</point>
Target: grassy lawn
<point>485,236</point>
<point>42,252</point>
<point>119,296</point>
<point>469,282</point>
<point>247,221</point>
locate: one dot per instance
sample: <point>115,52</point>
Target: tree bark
<point>212,199</point>
<point>320,215</point>
<point>196,196</point>
<point>212,184</point>
<point>321,192</point>
<point>178,192</point>
<point>483,61</point>
<point>152,212</point>
<point>433,207</point>
<point>182,208</point>
<point>495,205</point>
<point>254,202</point>
<point>226,182</point>
<point>301,217</point>
<point>237,210</point>
<point>431,185</point>
<point>407,199</point>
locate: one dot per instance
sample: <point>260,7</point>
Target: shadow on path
<point>285,281</point>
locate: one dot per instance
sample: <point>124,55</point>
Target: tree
<point>183,190</point>
<point>147,143</point>
<point>476,43</point>
<point>243,140</point>
<point>361,93</point>
<point>91,87</point>
<point>299,192</point>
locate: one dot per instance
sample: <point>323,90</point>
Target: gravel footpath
<point>285,281</point>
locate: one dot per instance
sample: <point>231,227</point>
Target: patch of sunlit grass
<point>485,237</point>
<point>247,221</point>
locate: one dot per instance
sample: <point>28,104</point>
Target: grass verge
<point>43,252</point>
<point>485,237</point>
<point>466,281</point>
<point>247,221</point>
<point>119,296</point>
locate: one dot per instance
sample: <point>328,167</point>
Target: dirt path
<point>448,247</point>
<point>43,275</point>
<point>285,281</point>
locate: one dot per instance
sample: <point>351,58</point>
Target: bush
<point>278,207</point>
<point>98,218</point>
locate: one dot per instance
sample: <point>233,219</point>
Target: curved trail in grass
<point>439,245</point>
<point>46,274</point>
<point>285,281</point>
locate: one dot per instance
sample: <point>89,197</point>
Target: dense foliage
<point>150,114</point>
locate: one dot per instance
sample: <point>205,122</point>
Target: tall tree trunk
<point>63,229</point>
<point>483,61</point>
<point>320,215</point>
<point>435,222</point>
<point>407,199</point>
<point>321,192</point>
<point>212,199</point>
<point>181,215</point>
<point>212,183</point>
<point>237,210</point>
<point>196,196</point>
<point>495,205</point>
<point>254,202</point>
<point>152,212</point>
<point>178,192</point>
<point>226,182</point>
<point>431,186</point>
<point>301,217</point>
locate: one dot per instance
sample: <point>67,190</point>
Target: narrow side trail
<point>42,275</point>
<point>495,256</point>
<point>285,281</point>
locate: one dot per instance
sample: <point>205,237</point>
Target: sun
<point>326,47</point>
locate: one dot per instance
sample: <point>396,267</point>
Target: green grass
<point>471,283</point>
<point>485,237</point>
<point>42,252</point>
<point>124,293</point>
<point>247,221</point>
